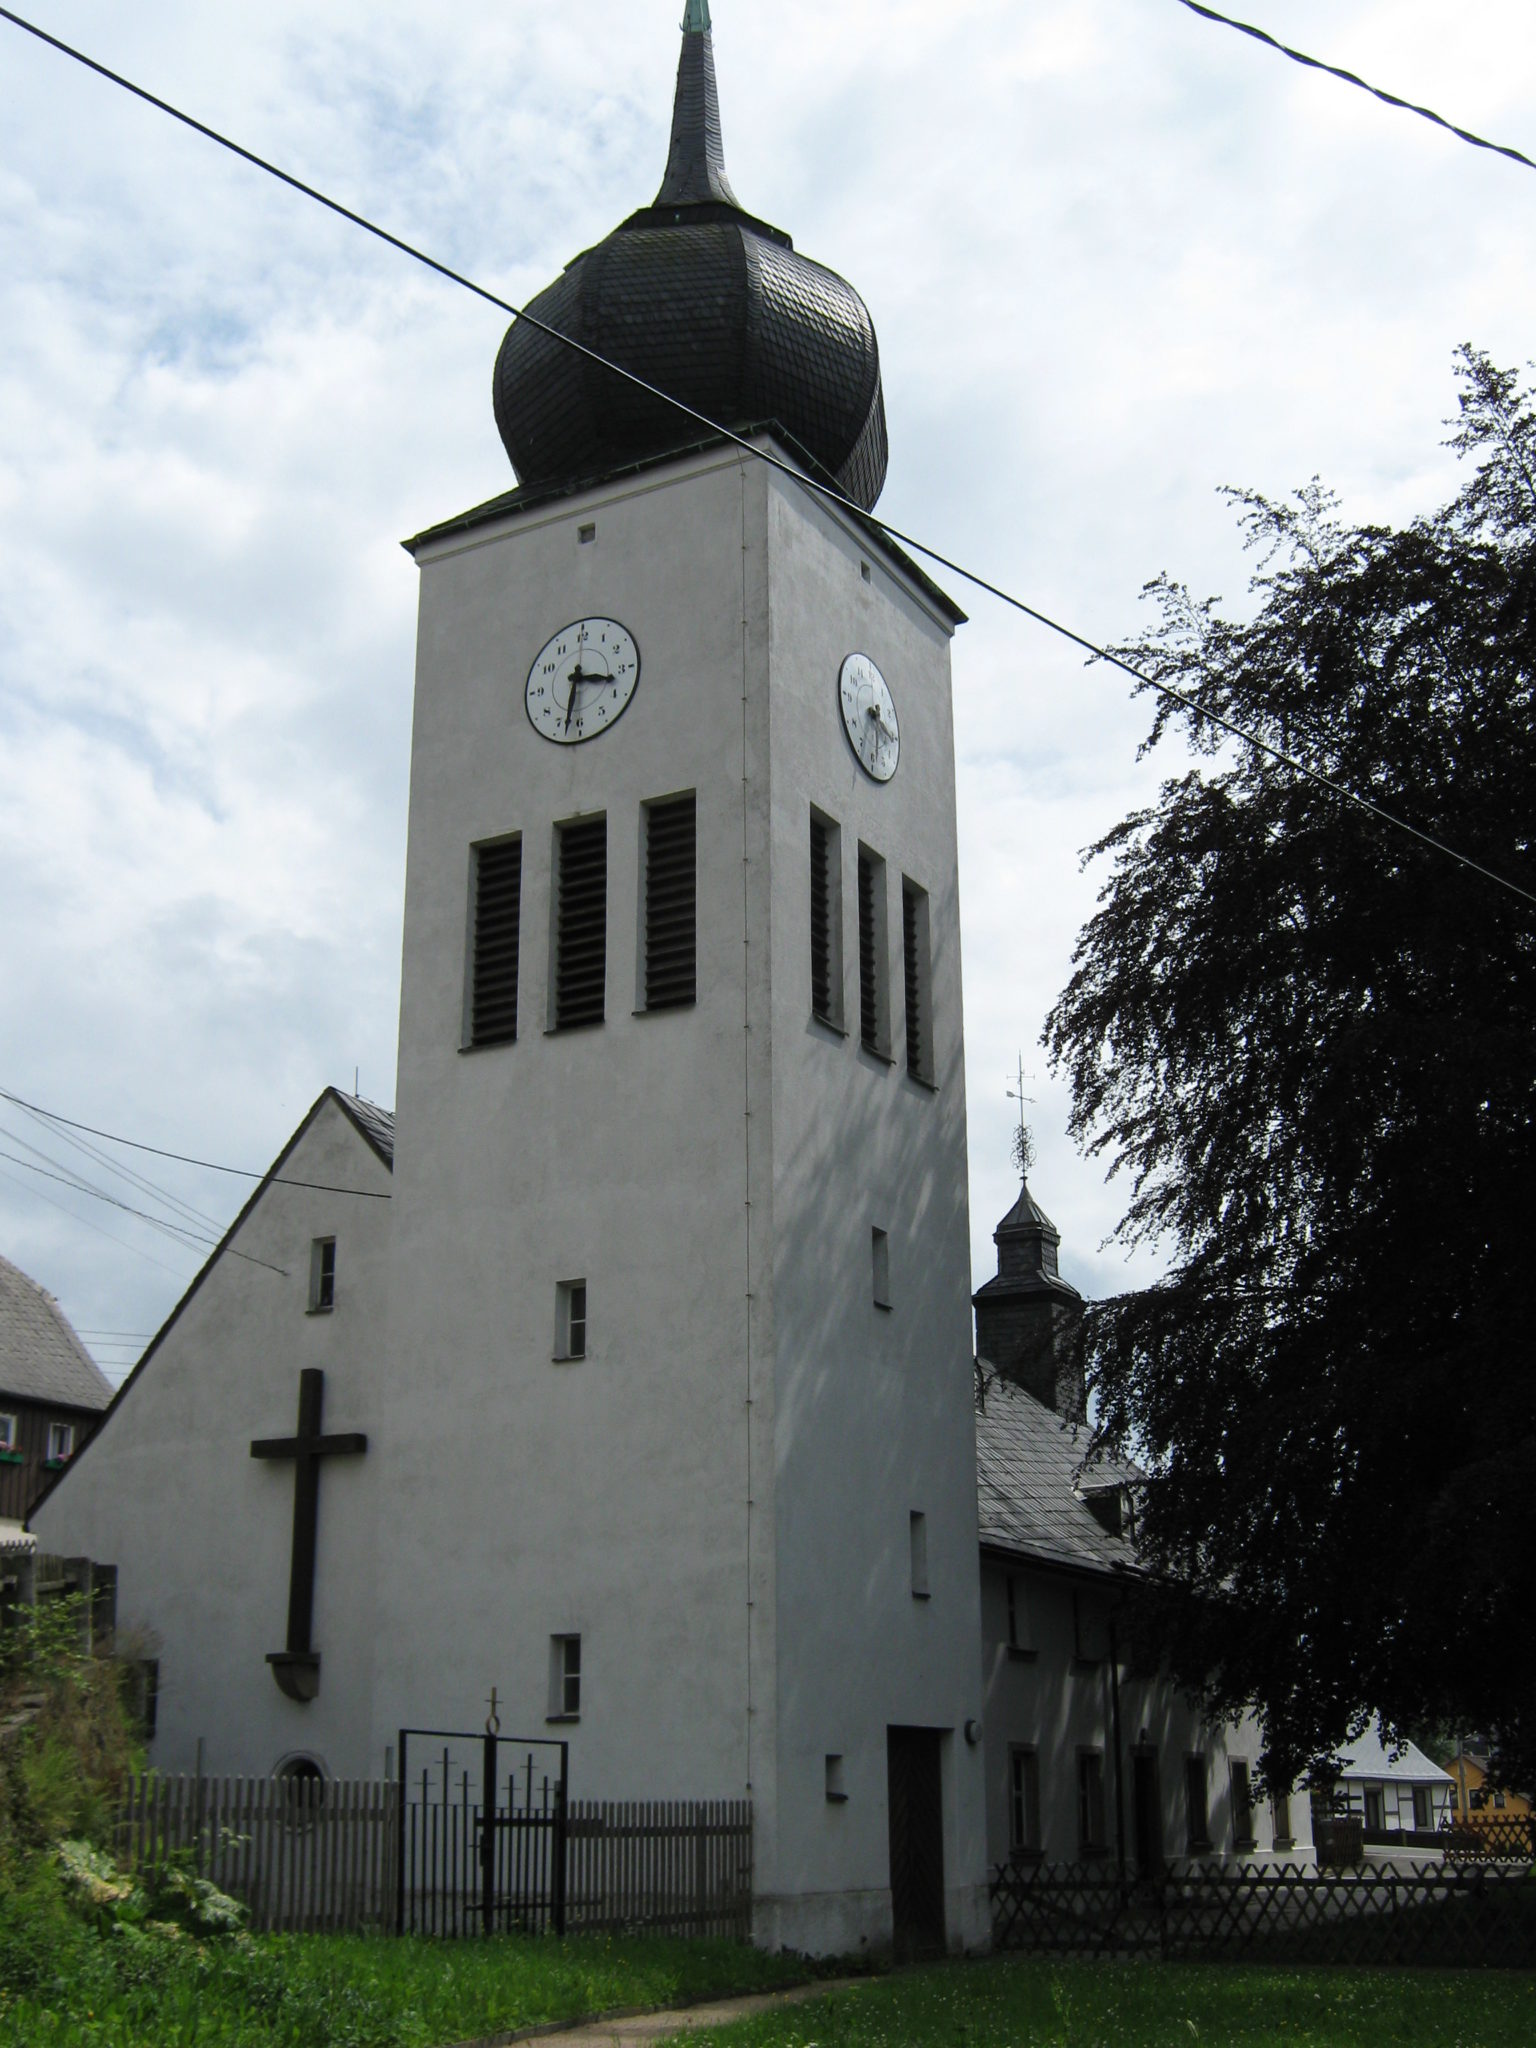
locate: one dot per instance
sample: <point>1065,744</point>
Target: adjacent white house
<point>1401,1798</point>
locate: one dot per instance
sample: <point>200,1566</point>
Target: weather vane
<point>1023,1143</point>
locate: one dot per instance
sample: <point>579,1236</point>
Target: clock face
<point>869,716</point>
<point>582,680</point>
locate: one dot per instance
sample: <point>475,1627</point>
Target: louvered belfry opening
<point>671,903</point>
<point>917,1035</point>
<point>498,931</point>
<point>869,994</point>
<point>821,919</point>
<point>581,924</point>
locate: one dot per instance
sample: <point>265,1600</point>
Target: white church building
<point>632,1357</point>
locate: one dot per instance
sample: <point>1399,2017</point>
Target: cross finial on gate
<point>493,1719</point>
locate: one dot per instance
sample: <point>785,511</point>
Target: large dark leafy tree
<point>1309,1042</point>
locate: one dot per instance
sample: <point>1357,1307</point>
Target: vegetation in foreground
<point>1018,2002</point>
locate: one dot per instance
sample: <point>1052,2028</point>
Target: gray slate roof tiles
<point>1027,1473</point>
<point>41,1358</point>
<point>376,1124</point>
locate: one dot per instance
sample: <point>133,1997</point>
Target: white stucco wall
<point>200,1531</point>
<point>1040,1694</point>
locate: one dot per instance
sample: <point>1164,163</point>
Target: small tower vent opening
<point>671,903</point>
<point>581,923</point>
<point>498,887</point>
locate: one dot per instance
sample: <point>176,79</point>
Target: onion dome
<point>706,302</point>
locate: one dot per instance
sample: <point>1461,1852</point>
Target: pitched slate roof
<point>1028,1481</point>
<point>1371,1757</point>
<point>377,1125</point>
<point>41,1358</point>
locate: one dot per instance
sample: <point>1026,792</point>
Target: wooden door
<point>917,1842</point>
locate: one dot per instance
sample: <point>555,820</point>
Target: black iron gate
<point>482,1843</point>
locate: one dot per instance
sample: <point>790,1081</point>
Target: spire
<point>696,160</point>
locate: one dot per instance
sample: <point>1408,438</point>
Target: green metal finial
<point>696,18</point>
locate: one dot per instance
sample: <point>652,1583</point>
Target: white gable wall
<point>200,1532</point>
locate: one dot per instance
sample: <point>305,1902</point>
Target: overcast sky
<point>1117,257</point>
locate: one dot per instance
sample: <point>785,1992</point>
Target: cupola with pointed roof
<point>1027,1316</point>
<point>707,303</point>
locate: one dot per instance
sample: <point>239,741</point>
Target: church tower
<point>674,1437</point>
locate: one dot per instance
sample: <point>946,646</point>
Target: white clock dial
<point>869,716</point>
<point>582,680</point>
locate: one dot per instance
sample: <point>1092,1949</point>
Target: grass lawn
<point>340,1991</point>
<point>1018,2002</point>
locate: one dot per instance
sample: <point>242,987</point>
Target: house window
<point>1498,1802</point>
<point>1023,1802</point>
<point>918,1536</point>
<point>1196,1817</point>
<point>880,1262</point>
<point>1423,1809</point>
<point>141,1682</point>
<point>1018,1618</point>
<point>564,1678</point>
<point>671,903</point>
<point>10,1433</point>
<point>874,992</point>
<point>1280,1814</point>
<point>837,1788</point>
<point>579,977</point>
<point>1242,1805</point>
<point>1374,1815</point>
<point>322,1276</point>
<point>1090,1801</point>
<point>586,534</point>
<point>1090,1630</point>
<point>917,980</point>
<point>826,921</point>
<point>61,1442</point>
<point>496,892</point>
<point>571,1319</point>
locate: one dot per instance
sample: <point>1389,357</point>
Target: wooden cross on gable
<point>297,1668</point>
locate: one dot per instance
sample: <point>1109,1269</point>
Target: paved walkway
<point>638,2029</point>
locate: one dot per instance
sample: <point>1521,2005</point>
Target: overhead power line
<point>279,1180</point>
<point>827,491</point>
<point>1350,78</point>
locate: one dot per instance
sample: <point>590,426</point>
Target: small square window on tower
<point>578,978</point>
<point>571,1319</point>
<point>587,533</point>
<point>564,1678</point>
<point>496,892</point>
<point>874,964</point>
<point>826,921</point>
<point>918,1537</point>
<point>322,1276</point>
<point>880,1261</point>
<point>917,980</point>
<point>669,952</point>
<point>837,1788</point>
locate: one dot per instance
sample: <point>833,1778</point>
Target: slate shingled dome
<point>706,302</point>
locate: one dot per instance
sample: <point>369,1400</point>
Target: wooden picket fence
<point>1445,1913</point>
<point>306,1856</point>
<point>668,1867</point>
<point>313,1856</point>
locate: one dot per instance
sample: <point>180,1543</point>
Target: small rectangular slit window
<point>1197,1820</point>
<point>671,903</point>
<point>874,993</point>
<point>571,1319</point>
<point>880,1261</point>
<point>917,979</point>
<point>322,1276</point>
<point>497,885</point>
<point>1023,1802</point>
<point>580,975</point>
<point>826,921</point>
<point>587,533</point>
<point>564,1678</point>
<point>918,1536</point>
<point>837,1789</point>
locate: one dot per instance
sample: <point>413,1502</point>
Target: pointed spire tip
<point>696,19</point>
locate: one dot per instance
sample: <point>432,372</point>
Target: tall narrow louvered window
<point>498,887</point>
<point>581,922</point>
<point>916,974</point>
<point>874,997</point>
<point>671,903</point>
<point>826,922</point>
